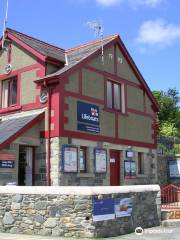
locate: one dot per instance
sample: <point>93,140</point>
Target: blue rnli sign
<point>88,117</point>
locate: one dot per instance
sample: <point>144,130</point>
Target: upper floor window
<point>9,92</point>
<point>140,163</point>
<point>114,95</point>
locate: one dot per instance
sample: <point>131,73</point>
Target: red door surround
<point>114,167</point>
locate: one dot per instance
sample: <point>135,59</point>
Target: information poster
<point>70,158</point>
<point>174,168</point>
<point>103,209</point>
<point>123,207</point>
<point>100,160</point>
<point>7,160</point>
<point>129,169</point>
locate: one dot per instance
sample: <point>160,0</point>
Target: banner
<point>174,168</point>
<point>88,117</point>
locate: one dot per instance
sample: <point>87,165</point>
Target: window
<point>113,95</point>
<point>140,163</point>
<point>9,92</point>
<point>82,159</point>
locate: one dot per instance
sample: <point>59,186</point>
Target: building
<point>80,116</point>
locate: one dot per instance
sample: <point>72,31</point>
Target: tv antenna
<point>5,23</point>
<point>99,32</point>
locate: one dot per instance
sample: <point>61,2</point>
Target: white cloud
<point>146,3</point>
<point>133,3</point>
<point>108,3</point>
<point>158,32</point>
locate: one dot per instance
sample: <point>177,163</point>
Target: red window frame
<point>10,97</point>
<point>113,83</point>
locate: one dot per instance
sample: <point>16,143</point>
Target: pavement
<point>155,233</point>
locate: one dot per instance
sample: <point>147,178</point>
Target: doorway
<point>25,174</point>
<point>114,167</point>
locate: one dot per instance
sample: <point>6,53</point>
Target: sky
<point>150,29</point>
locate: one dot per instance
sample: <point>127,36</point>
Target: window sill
<point>114,111</point>
<point>10,109</point>
<point>141,176</point>
<point>85,175</point>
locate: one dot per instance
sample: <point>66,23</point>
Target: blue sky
<point>150,29</point>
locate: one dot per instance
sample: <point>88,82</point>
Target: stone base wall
<point>67,211</point>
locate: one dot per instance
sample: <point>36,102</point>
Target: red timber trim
<point>113,77</point>
<point>144,101</point>
<point>137,73</point>
<point>92,137</point>
<point>22,130</point>
<point>22,70</point>
<point>80,82</point>
<point>17,73</point>
<point>25,46</point>
<point>115,59</point>
<point>130,110</point>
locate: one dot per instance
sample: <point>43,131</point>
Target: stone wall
<point>67,211</point>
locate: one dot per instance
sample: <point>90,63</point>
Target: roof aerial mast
<point>5,23</point>
<point>99,32</point>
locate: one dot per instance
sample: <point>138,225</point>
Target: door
<point>25,175</point>
<point>114,167</point>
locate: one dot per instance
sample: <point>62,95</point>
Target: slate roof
<point>41,47</point>
<point>10,127</point>
<point>79,53</point>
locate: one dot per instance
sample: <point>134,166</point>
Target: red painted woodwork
<point>114,167</point>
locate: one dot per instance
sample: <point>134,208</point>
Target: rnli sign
<point>88,117</point>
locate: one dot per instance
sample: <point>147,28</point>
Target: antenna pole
<point>98,29</point>
<point>5,23</point>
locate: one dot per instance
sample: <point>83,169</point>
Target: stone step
<point>171,223</point>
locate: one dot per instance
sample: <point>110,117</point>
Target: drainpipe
<point>49,140</point>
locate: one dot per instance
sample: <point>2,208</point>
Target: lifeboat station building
<point>81,116</point>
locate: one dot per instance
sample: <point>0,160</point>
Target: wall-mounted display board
<point>88,119</point>
<point>174,168</point>
<point>69,158</point>
<point>7,160</point>
<point>123,207</point>
<point>111,208</point>
<point>129,169</point>
<point>103,209</point>
<point>100,160</point>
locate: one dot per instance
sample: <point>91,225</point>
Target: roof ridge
<point>91,43</point>
<point>33,38</point>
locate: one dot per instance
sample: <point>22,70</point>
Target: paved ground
<point>156,233</point>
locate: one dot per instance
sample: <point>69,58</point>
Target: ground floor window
<point>140,163</point>
<point>82,159</point>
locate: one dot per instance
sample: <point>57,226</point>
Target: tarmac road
<point>156,233</point>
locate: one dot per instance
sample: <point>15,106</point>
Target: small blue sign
<point>103,209</point>
<point>7,164</point>
<point>88,117</point>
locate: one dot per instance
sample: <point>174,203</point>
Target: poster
<point>88,117</point>
<point>70,158</point>
<point>103,209</point>
<point>100,160</point>
<point>110,208</point>
<point>129,169</point>
<point>174,168</point>
<point>123,207</point>
<point>7,160</point>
